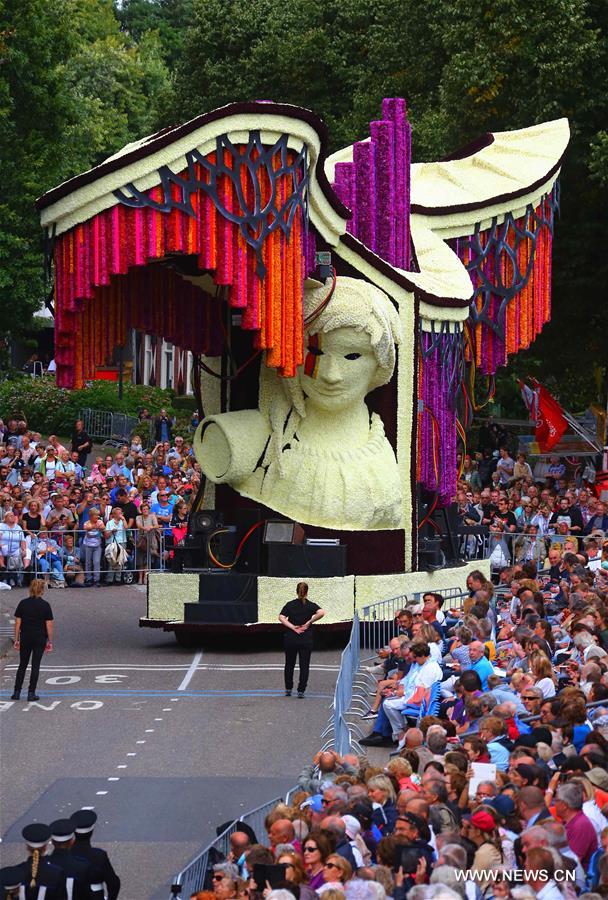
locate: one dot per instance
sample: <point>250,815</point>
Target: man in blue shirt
<point>481,664</point>
<point>163,510</point>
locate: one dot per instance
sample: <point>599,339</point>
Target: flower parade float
<point>341,308</point>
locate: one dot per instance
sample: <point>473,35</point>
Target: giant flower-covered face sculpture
<point>312,451</point>
<point>340,367</point>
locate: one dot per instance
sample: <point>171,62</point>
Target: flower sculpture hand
<point>312,450</point>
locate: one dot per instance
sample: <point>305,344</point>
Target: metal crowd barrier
<point>49,557</point>
<point>378,623</point>
<point>337,733</point>
<point>375,626</point>
<point>503,548</point>
<point>110,427</point>
<point>378,620</point>
<point>195,876</point>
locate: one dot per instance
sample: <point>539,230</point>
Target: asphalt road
<point>165,743</point>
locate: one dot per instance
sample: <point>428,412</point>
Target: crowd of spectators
<point>79,519</point>
<point>486,772</point>
<point>417,825</point>
<point>495,719</point>
<point>514,514</point>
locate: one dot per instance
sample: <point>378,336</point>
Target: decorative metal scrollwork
<point>449,345</point>
<point>257,218</point>
<point>496,248</point>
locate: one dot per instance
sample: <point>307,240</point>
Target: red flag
<point>551,422</point>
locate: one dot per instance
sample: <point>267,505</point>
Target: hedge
<point>53,410</point>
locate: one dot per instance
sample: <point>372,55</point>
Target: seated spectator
<point>48,559</point>
<point>324,769</point>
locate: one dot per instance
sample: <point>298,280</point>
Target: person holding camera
<point>33,636</point>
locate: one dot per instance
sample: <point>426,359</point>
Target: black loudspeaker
<point>193,556</point>
<point>221,613</point>
<point>445,528</point>
<point>205,521</point>
<point>304,560</point>
<point>224,598</point>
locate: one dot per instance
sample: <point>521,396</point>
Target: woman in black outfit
<point>298,616</point>
<point>33,635</point>
<point>33,521</point>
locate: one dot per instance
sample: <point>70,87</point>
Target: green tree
<point>530,63</point>
<point>465,68</point>
<point>36,108</point>
<point>73,88</point>
<point>168,18</point>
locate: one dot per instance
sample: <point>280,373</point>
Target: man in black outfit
<point>33,635</point>
<point>82,876</point>
<point>298,616</point>
<point>81,443</point>
<point>129,510</point>
<point>84,821</point>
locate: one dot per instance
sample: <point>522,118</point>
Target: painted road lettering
<point>74,679</point>
<point>85,705</point>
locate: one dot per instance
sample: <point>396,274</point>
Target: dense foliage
<point>81,77</point>
<point>52,410</point>
<point>73,88</point>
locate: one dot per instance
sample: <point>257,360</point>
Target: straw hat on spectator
<point>598,778</point>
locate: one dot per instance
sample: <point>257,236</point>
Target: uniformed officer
<point>39,877</point>
<point>83,881</point>
<point>84,822</point>
<point>11,879</point>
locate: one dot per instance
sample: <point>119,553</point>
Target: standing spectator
<point>12,546</point>
<point>33,635</point>
<point>32,521</point>
<point>126,506</point>
<point>65,471</point>
<point>118,467</point>
<point>78,469</point>
<point>81,443</point>
<point>522,469</point>
<point>163,510</point>
<point>28,451</point>
<point>116,535</point>
<point>148,541</point>
<point>85,506</point>
<point>60,517</point>
<point>505,467</point>
<point>46,464</point>
<point>162,427</point>
<point>92,542</point>
<point>556,468</point>
<point>179,523</point>
<point>137,447</point>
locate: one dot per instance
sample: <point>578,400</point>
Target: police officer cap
<point>11,877</point>
<point>83,820</point>
<point>36,835</point>
<point>62,830</point>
